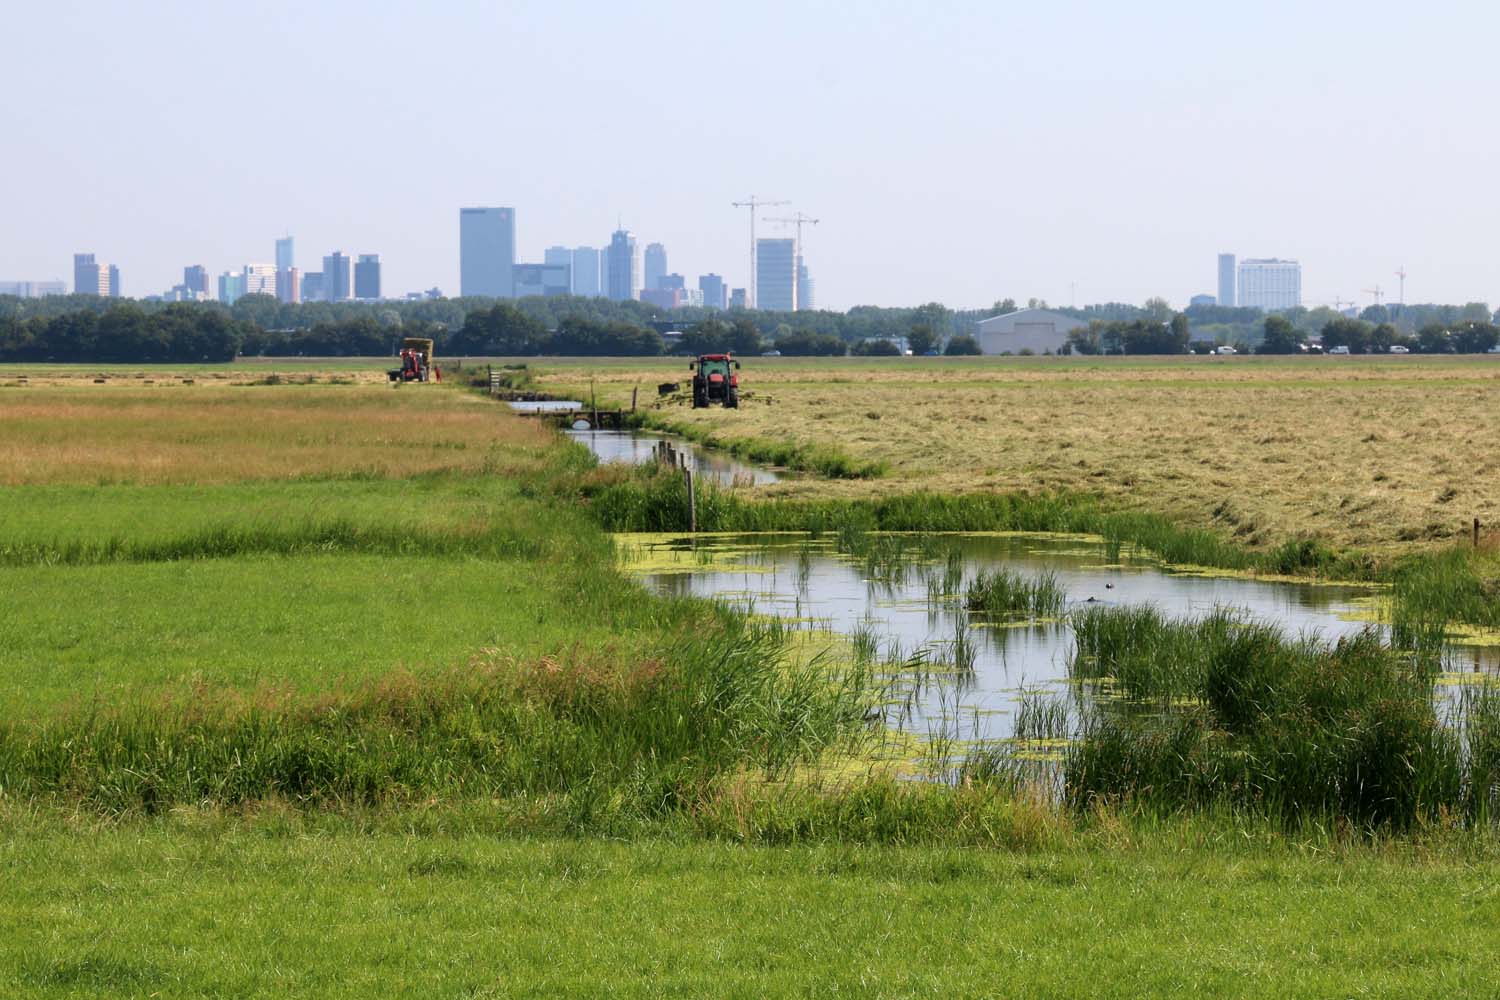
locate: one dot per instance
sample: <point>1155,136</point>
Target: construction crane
<point>1339,302</point>
<point>752,203</point>
<point>1376,291</point>
<point>799,220</point>
<point>1401,273</point>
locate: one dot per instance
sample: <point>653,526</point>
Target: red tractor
<point>715,380</point>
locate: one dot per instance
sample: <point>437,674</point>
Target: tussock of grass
<point>1234,713</point>
<point>1002,592</point>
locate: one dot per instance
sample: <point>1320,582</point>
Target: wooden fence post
<point>687,475</point>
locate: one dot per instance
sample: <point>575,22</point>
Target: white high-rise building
<point>1269,284</point>
<point>776,275</point>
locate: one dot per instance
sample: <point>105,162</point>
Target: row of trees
<point>1363,337</point>
<point>450,315</point>
<point>1137,336</point>
<point>125,333</point>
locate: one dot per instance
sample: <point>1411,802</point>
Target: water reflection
<point>636,447</point>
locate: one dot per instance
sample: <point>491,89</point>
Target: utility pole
<point>752,204</point>
<point>799,220</point>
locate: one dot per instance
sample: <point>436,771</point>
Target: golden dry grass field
<point>62,430</point>
<point>1371,453</point>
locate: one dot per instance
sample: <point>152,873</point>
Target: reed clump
<point>1002,592</point>
<point>1230,712</point>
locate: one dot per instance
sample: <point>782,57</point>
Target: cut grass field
<point>1382,454</point>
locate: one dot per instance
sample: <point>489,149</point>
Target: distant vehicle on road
<point>1225,349</point>
<point>1400,349</point>
<point>1341,349</point>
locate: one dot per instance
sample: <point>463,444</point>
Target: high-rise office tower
<point>367,276</point>
<point>624,277</point>
<point>776,275</point>
<point>113,285</point>
<point>712,287</point>
<point>655,265</point>
<point>287,286</point>
<point>587,271</point>
<point>672,281</point>
<point>260,279</point>
<point>737,299</point>
<point>338,277</point>
<point>195,279</point>
<point>804,285</point>
<point>1226,279</point>
<point>89,276</point>
<point>486,251</point>
<point>1270,284</point>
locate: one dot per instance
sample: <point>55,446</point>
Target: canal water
<point>636,447</point>
<point>913,606</point>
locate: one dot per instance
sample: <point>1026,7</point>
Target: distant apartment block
<point>231,287</point>
<point>260,279</point>
<point>33,289</point>
<point>547,280</point>
<point>662,298</point>
<point>655,265</point>
<point>195,279</point>
<point>338,277</point>
<point>367,277</point>
<point>1226,279</point>
<point>486,251</point>
<point>92,278</point>
<point>624,276</point>
<point>712,287</point>
<point>776,274</point>
<point>737,299</point>
<point>1270,284</point>
<point>1203,300</point>
<point>804,285</point>
<point>560,257</point>
<point>312,286</point>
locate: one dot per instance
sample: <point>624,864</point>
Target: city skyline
<point>1331,160</point>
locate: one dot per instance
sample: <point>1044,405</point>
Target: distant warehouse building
<point>1039,331</point>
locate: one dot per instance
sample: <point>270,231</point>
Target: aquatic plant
<point>1002,592</point>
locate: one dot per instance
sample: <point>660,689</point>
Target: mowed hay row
<point>1378,454</point>
<point>67,436</point>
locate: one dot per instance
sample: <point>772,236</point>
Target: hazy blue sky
<point>953,151</point>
